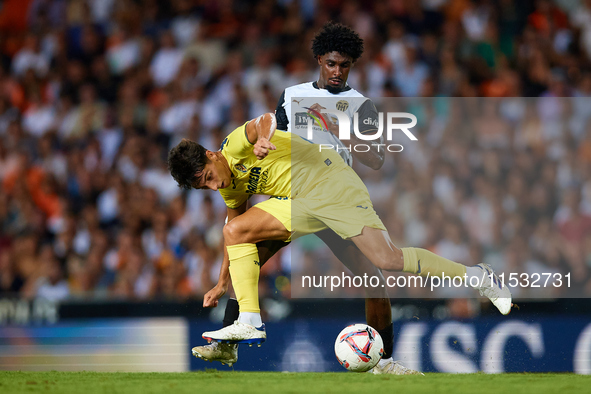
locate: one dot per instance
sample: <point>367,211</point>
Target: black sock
<point>387,335</point>
<point>232,312</point>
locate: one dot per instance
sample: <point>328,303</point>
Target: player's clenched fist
<point>211,297</point>
<point>262,148</point>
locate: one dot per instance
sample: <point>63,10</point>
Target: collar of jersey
<point>315,84</point>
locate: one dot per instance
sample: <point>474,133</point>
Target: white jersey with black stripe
<point>292,113</point>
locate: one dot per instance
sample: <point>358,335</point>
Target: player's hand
<point>210,300</point>
<point>332,126</point>
<point>316,107</point>
<point>262,148</point>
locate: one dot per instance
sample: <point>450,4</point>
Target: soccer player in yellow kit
<point>313,189</point>
<point>336,48</point>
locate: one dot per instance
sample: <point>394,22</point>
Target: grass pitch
<point>273,382</point>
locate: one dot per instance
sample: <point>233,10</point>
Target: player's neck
<point>223,160</point>
<point>322,85</point>
<point>219,156</point>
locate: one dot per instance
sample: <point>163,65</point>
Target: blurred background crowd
<point>93,93</point>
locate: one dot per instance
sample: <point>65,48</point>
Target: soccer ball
<point>359,347</point>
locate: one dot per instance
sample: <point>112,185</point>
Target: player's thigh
<point>341,203</point>
<point>377,246</point>
<point>253,226</point>
<point>348,253</point>
<point>334,241</point>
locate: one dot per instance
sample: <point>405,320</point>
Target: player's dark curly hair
<point>335,37</point>
<point>184,161</point>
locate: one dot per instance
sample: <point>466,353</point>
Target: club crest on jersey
<point>342,105</point>
<point>241,167</point>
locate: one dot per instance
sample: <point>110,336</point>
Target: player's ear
<point>210,155</point>
<point>319,58</point>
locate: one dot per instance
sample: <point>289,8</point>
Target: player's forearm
<point>264,127</point>
<point>373,160</point>
<point>224,279</point>
<point>259,132</point>
<point>333,128</point>
<point>374,157</point>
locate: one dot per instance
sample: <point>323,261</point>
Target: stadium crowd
<point>93,94</point>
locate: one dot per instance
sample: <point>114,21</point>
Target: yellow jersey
<point>290,171</point>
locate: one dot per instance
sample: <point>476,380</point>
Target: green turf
<point>271,382</point>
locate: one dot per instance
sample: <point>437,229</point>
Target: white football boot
<point>226,353</point>
<point>494,289</point>
<point>392,367</point>
<point>238,333</point>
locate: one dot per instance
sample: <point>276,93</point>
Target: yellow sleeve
<point>233,200</point>
<point>237,145</point>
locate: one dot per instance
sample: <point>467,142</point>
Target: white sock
<point>252,318</point>
<point>384,361</point>
<point>474,272</point>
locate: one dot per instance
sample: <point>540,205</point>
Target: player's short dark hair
<point>335,37</point>
<point>186,160</point>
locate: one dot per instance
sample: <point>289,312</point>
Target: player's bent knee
<point>397,260</point>
<point>228,232</point>
<point>235,233</point>
<point>382,264</point>
<point>393,260</point>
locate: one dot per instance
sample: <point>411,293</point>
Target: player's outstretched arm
<point>259,132</point>
<point>373,158</point>
<point>212,296</point>
<point>368,124</point>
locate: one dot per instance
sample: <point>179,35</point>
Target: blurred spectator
<point>30,57</point>
<point>410,75</point>
<point>167,60</point>
<point>52,285</point>
<point>11,282</point>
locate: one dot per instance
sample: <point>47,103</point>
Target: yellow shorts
<point>280,208</point>
<point>340,202</point>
